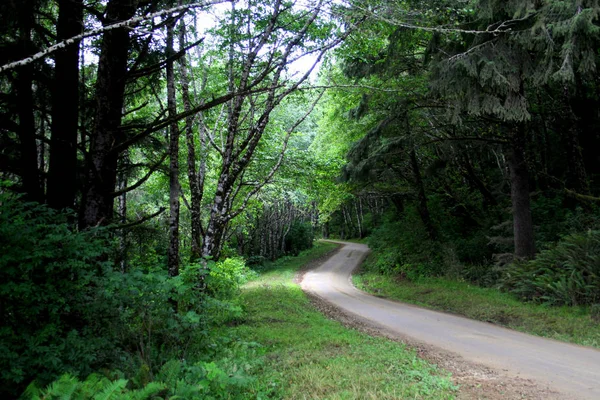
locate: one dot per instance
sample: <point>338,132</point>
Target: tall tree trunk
<point>211,244</point>
<point>62,175</point>
<point>358,221</point>
<point>173,254</point>
<point>577,176</point>
<point>25,107</point>
<point>519,190</point>
<point>110,89</point>
<point>422,207</point>
<point>196,179</point>
<point>576,173</point>
<point>41,150</point>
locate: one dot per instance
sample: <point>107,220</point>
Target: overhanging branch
<point>95,32</point>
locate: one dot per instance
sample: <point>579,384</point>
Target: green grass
<point>307,356</point>
<point>355,240</point>
<point>568,324</point>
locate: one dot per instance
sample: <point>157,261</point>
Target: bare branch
<point>144,178</point>
<point>279,160</point>
<point>140,221</point>
<point>95,32</point>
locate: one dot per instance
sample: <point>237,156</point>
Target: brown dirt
<point>475,380</point>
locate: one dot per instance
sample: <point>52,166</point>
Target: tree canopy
<point>161,147</point>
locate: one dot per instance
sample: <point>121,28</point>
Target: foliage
<point>299,238</point>
<point>176,379</point>
<point>225,277</point>
<point>568,273</point>
<point>51,295</point>
<point>569,324</point>
<point>64,309</point>
<point>228,367</point>
<point>402,248</point>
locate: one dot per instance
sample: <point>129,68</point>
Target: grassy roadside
<point>307,356</point>
<point>568,324</point>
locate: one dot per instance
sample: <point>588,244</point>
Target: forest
<point>155,155</point>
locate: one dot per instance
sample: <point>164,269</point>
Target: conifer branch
<point>495,29</point>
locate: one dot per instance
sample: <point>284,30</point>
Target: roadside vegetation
<point>569,324</point>
<point>310,356</point>
<point>276,345</point>
<point>554,295</point>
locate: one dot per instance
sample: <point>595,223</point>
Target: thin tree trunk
<point>193,178</point>
<point>577,176</point>
<point>173,253</point>
<point>360,231</point>
<point>469,173</point>
<point>41,151</point>
<point>122,208</point>
<point>62,175</point>
<point>519,189</point>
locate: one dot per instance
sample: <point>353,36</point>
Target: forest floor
<point>309,356</point>
<point>489,362</point>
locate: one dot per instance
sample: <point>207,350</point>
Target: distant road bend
<point>573,371</point>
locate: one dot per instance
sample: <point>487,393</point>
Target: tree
<point>62,173</point>
<point>264,58</point>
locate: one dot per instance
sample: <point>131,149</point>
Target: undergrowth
<point>276,346</point>
<point>569,324</point>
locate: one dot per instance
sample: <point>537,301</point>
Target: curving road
<point>573,371</point>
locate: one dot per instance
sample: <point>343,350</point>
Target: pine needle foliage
<point>532,44</point>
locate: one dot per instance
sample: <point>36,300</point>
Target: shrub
<point>299,238</point>
<point>225,277</point>
<point>64,308</point>
<point>402,248</point>
<point>568,273</point>
<point>175,379</point>
<point>50,278</point>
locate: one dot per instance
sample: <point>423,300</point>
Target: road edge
<point>476,381</point>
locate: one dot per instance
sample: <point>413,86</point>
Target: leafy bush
<point>225,277</point>
<point>175,379</point>
<point>299,238</point>
<point>568,273</point>
<point>66,310</point>
<point>53,318</point>
<point>402,248</point>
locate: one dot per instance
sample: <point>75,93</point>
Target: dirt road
<point>572,371</point>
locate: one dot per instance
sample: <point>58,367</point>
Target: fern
<point>151,389</point>
<point>567,274</point>
<point>169,373</point>
<point>111,390</point>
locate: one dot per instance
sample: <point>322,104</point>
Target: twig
<point>94,32</point>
